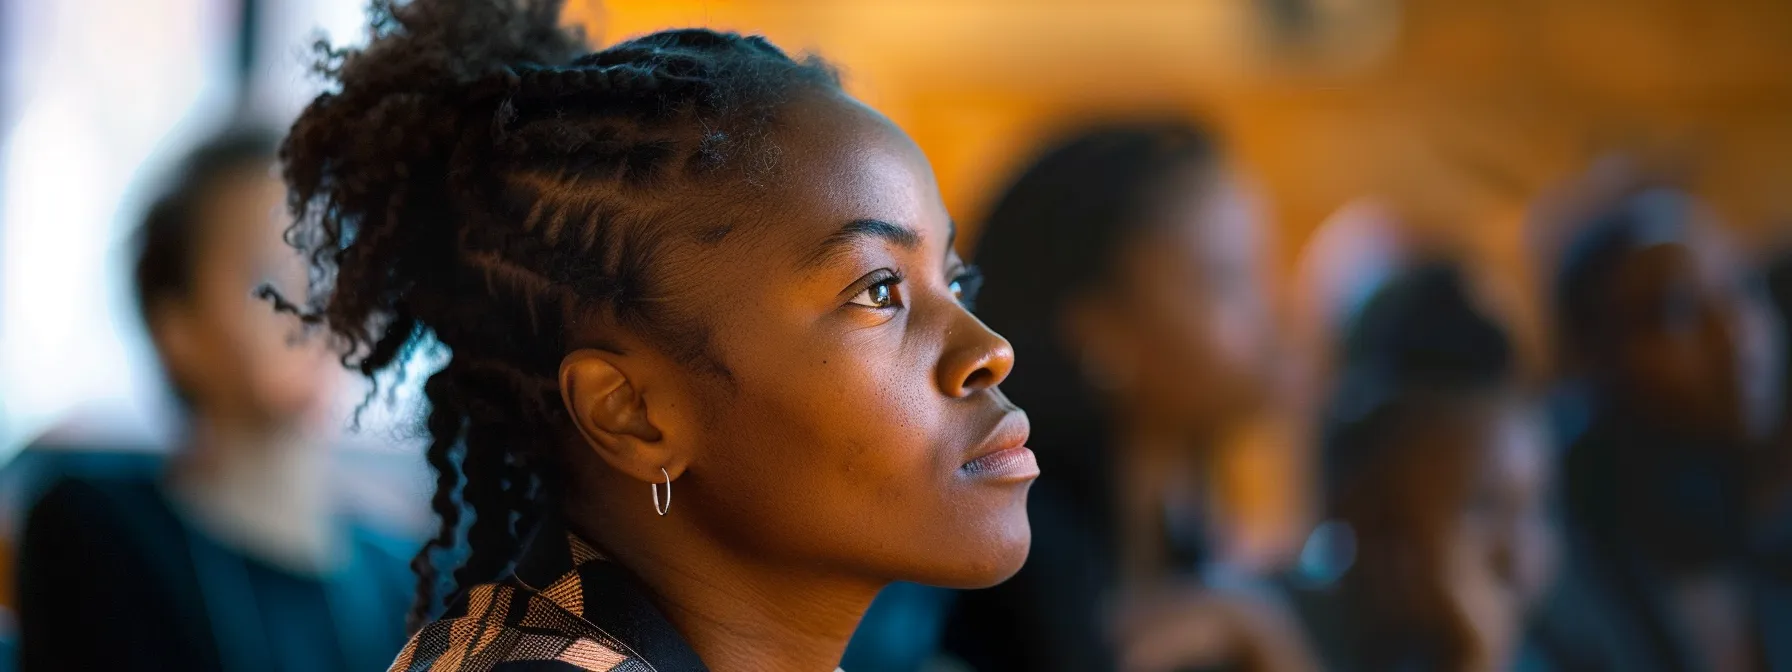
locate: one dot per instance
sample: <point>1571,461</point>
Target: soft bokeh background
<point>1452,115</point>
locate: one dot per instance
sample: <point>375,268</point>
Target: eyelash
<point>970,283</point>
<point>966,285</point>
<point>882,278</point>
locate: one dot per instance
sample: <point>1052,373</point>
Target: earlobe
<point>171,330</point>
<point>611,414</point>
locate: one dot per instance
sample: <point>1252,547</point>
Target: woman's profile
<point>711,380</point>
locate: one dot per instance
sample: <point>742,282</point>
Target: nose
<point>975,358</point>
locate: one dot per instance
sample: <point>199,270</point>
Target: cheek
<point>836,438</point>
<point>1238,329</point>
<point>1668,370</point>
<point>1205,337</point>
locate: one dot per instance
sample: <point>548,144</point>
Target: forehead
<point>840,161</point>
<point>1207,214</point>
<point>242,212</point>
<point>1702,259</point>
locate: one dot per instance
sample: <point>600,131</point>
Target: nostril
<point>979,379</point>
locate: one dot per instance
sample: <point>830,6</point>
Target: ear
<point>1095,337</point>
<point>177,341</point>
<point>610,411</point>
<point>1089,326</point>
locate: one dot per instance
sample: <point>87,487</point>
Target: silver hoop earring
<point>657,506</point>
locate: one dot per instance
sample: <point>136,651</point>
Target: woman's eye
<point>966,285</point>
<point>880,295</point>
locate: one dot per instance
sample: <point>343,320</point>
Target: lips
<point>1004,455</point>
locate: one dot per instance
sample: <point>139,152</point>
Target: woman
<point>237,558</point>
<point>1436,541</point>
<point>711,381</point>
<point>1124,263</point>
<point>1672,345</point>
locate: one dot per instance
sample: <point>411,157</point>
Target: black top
<point>564,608</point>
<point>1611,608</point>
<point>111,577</point>
<point>1052,615</point>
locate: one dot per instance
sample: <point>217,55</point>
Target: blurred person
<point>687,261</point>
<point>1124,264</point>
<point>236,557</point>
<point>1774,498</point>
<point>1670,344</point>
<point>1436,540</point>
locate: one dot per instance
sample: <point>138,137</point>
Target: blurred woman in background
<point>1669,340</point>
<point>1124,263</point>
<point>237,559</point>
<point>1436,539</point>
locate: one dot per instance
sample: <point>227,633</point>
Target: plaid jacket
<point>563,609</point>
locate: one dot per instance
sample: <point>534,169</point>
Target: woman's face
<point>239,360</point>
<point>1474,492</point>
<point>1191,320</point>
<point>857,430</point>
<point>1503,513</point>
<point>1454,531</point>
<point>1696,343</point>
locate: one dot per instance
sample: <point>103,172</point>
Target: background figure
<point>1436,539</point>
<point>235,558</point>
<point>1671,345</point>
<point>1124,263</point>
<point>1773,501</point>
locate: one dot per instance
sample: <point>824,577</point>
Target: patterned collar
<point>563,608</point>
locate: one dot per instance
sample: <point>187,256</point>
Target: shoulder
<point>87,497</point>
<point>119,514</point>
<point>537,666</point>
<point>501,627</point>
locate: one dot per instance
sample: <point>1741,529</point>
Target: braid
<point>476,180</point>
<point>446,423</point>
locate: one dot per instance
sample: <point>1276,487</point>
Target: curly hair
<point>477,180</point>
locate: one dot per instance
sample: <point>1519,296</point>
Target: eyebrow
<point>860,229</point>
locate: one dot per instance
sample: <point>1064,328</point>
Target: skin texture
<point>827,462</point>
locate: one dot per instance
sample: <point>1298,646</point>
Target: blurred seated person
<point>1773,502</point>
<point>1125,266</point>
<point>234,558</point>
<point>1436,539</point>
<point>1669,339</point>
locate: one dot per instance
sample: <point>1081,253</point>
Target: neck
<point>737,613</point>
<point>1158,470</point>
<point>264,491</point>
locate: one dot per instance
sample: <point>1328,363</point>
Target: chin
<point>991,558</point>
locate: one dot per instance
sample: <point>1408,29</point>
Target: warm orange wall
<point>1477,103</point>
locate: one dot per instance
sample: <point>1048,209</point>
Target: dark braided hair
<point>478,179</point>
